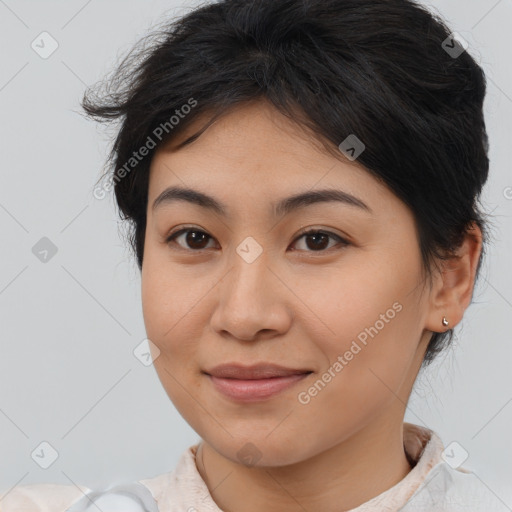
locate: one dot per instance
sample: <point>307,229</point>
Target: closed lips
<point>261,371</point>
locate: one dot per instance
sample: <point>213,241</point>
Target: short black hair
<point>387,71</point>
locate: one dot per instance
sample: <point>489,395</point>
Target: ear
<point>453,286</point>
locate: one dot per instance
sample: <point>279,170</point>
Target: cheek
<point>156,304</point>
<point>345,302</point>
<point>174,320</point>
<point>366,325</point>
<point>168,327</point>
<point>168,299</point>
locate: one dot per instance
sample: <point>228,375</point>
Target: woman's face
<point>246,287</point>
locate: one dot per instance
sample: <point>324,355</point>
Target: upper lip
<point>258,371</point>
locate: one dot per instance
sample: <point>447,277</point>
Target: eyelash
<point>302,234</point>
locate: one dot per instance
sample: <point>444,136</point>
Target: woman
<point>302,182</point>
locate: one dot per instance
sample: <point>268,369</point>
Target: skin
<point>294,305</point>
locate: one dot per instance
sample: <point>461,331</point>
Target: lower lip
<point>254,389</point>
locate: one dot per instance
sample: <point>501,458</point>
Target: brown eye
<point>317,241</point>
<point>194,239</point>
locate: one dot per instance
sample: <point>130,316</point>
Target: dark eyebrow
<point>281,208</point>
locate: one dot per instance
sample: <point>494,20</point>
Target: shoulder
<point>453,490</point>
<point>171,489</point>
<point>132,497</point>
<point>39,497</point>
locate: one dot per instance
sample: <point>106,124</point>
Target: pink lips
<point>253,383</point>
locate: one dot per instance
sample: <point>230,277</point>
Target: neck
<point>339,479</point>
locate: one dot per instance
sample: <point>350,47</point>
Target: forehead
<point>256,151</point>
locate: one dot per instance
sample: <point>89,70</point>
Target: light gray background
<point>69,326</point>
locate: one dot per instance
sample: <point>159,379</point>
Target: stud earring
<point>445,322</point>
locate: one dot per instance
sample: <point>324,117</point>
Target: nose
<point>253,301</point>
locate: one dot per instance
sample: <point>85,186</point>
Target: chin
<point>259,451</point>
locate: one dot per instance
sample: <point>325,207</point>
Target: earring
<point>445,322</point>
